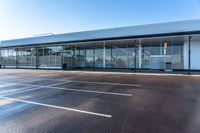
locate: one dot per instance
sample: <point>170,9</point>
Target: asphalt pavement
<point>44,101</point>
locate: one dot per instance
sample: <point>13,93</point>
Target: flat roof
<point>170,28</point>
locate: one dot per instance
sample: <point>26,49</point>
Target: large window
<point>151,53</point>
<point>8,58</point>
<point>89,58</point>
<point>169,52</point>
<point>99,55</point>
<point>26,57</point>
<point>69,56</point>
<point>145,54</point>
<point>50,57</point>
<point>167,48</point>
<point>31,57</point>
<point>110,58</point>
<point>122,54</point>
<point>79,57</point>
<point>156,48</point>
<point>178,53</point>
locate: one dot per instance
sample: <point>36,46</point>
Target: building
<point>168,46</point>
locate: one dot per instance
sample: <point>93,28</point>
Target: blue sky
<point>25,18</point>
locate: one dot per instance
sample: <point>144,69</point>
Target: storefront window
<point>167,48</point>
<point>152,53</point>
<point>98,55</point>
<point>156,47</point>
<point>79,57</point>
<point>178,53</point>
<point>110,58</point>
<point>145,54</point>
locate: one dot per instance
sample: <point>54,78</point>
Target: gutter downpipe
<point>189,57</point>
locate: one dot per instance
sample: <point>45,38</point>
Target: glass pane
<point>156,47</point>
<point>59,57</point>
<point>145,53</point>
<point>99,55</point>
<point>89,58</point>
<point>167,46</point>
<point>41,57</point>
<point>178,53</point>
<point>157,63</point>
<point>111,55</point>
<point>79,57</point>
<point>122,60</point>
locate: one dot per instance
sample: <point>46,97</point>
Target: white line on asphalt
<point>22,91</point>
<point>19,84</point>
<point>59,83</point>
<point>57,107</point>
<point>38,87</point>
<point>9,92</point>
<point>90,91</point>
<point>67,89</point>
<point>106,83</point>
<point>7,84</point>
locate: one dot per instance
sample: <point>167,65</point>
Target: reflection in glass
<point>156,47</point>
<point>99,55</point>
<point>145,54</point>
<point>152,53</point>
<point>178,53</point>
<point>50,57</point>
<point>79,57</point>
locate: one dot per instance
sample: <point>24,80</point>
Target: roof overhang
<point>187,27</point>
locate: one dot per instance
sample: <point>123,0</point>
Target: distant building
<point>165,46</point>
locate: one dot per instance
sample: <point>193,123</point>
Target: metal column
<point>140,54</point>
<point>104,55</point>
<point>189,55</point>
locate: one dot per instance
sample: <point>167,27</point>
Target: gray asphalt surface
<point>39,101</point>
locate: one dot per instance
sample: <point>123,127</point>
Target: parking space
<point>56,101</point>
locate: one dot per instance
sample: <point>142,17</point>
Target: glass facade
<point>8,57</point>
<point>26,57</point>
<point>146,54</point>
<point>49,57</point>
<point>153,53</point>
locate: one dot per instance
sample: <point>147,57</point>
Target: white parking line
<point>59,83</point>
<point>7,84</point>
<point>38,87</point>
<point>22,91</point>
<point>106,83</point>
<point>90,91</point>
<point>67,89</point>
<point>57,107</point>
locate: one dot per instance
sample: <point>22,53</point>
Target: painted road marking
<point>22,91</point>
<point>57,107</point>
<point>90,91</point>
<point>7,84</point>
<point>106,83</point>
<point>38,87</point>
<point>67,89</point>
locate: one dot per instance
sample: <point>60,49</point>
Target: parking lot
<point>44,101</point>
